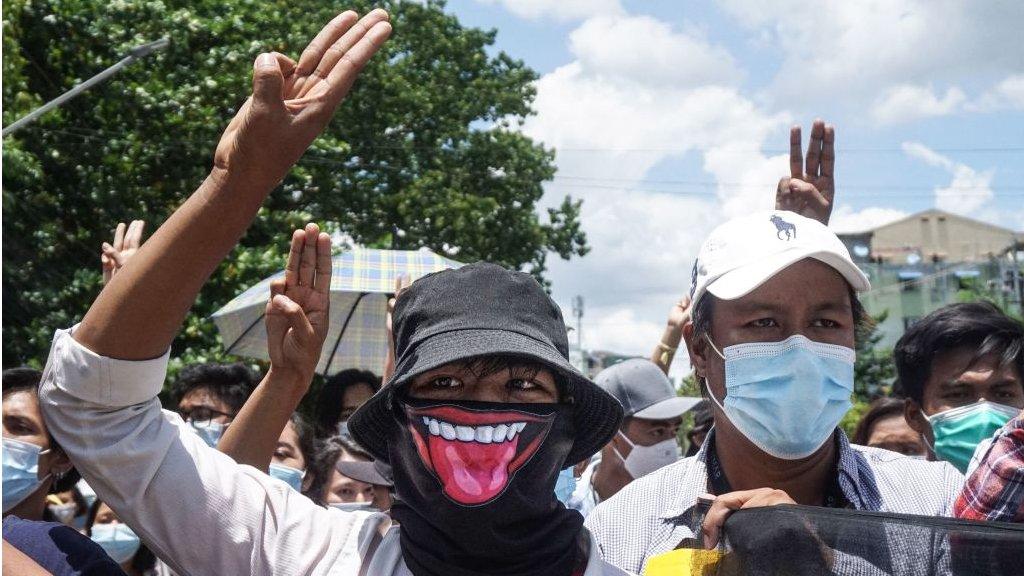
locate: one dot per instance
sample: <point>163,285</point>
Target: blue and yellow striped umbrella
<point>362,280</point>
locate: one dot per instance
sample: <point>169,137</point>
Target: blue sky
<point>671,116</point>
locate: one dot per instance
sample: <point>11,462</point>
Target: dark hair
<point>329,403</point>
<point>21,379</point>
<point>880,409</point>
<point>142,561</point>
<point>307,440</point>
<point>231,383</point>
<point>25,379</point>
<point>979,326</point>
<point>327,453</point>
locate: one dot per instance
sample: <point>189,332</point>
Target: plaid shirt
<point>995,490</point>
<point>654,514</point>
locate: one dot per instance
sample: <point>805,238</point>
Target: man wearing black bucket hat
<point>481,414</point>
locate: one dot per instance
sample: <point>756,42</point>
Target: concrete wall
<point>932,233</point>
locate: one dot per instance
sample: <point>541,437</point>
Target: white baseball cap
<point>746,252</point>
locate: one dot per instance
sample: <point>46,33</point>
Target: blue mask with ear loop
<point>209,431</point>
<point>290,476</point>
<point>786,397</point>
<point>119,541</point>
<point>565,485</point>
<point>20,471</point>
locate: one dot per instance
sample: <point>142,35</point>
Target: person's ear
<point>697,348</point>
<point>59,463</point>
<point>915,418</point>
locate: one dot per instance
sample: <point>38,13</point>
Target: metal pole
<point>135,54</point>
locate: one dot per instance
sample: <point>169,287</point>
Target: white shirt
<point>194,507</point>
<point>584,498</point>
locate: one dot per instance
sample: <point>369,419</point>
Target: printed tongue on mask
<point>472,472</point>
<point>474,453</point>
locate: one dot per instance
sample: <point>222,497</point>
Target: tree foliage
<point>420,155</point>
<point>874,370</point>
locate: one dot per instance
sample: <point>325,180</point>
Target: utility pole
<point>577,312</point>
<point>136,53</point>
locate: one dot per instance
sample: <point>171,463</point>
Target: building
<point>933,258</point>
<point>932,236</point>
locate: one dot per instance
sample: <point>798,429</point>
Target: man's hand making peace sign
<point>810,188</point>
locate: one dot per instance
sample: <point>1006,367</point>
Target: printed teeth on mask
<point>481,434</point>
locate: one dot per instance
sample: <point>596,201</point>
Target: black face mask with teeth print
<point>475,484</point>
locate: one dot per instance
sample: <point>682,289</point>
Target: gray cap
<point>643,390</point>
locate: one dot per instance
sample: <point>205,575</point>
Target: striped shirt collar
<point>856,480</point>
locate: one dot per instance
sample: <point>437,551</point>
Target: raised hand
<point>292,103</point>
<point>127,240</point>
<point>401,283</point>
<point>297,315</point>
<point>678,318</point>
<point>810,188</point>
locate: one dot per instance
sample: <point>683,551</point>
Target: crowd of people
<point>480,449</point>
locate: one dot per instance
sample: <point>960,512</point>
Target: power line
<point>841,150</point>
<point>707,187</point>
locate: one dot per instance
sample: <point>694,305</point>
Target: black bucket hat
<point>477,310</point>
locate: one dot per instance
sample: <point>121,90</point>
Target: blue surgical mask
<point>20,471</point>
<point>118,540</point>
<point>787,397</point>
<point>343,430</point>
<point>290,476</point>
<point>209,431</point>
<point>565,485</point>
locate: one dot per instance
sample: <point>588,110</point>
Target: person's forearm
<point>16,562</point>
<point>252,436</point>
<point>137,315</point>
<point>665,350</point>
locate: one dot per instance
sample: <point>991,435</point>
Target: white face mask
<point>353,506</point>
<point>643,460</point>
<point>64,513</point>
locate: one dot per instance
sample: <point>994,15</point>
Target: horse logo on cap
<point>693,277</point>
<point>781,226</point>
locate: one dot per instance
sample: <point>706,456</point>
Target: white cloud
<point>561,10</point>
<point>854,51</point>
<point>646,50</point>
<point>969,190</point>
<point>1007,94</point>
<point>639,93</point>
<point>907,102</point>
<point>845,219</point>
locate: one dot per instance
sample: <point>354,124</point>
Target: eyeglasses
<point>203,414</point>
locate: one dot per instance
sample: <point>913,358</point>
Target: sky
<point>669,117</point>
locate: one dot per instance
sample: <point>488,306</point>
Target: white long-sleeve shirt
<point>195,507</point>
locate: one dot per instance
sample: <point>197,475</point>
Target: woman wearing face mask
<point>331,487</point>
<point>342,394</point>
<point>120,542</point>
<point>69,507</point>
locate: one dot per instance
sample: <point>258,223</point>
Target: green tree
<point>421,154</point>
<point>873,370</point>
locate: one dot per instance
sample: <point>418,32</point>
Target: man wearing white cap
<point>646,440</point>
<point>772,341</point>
